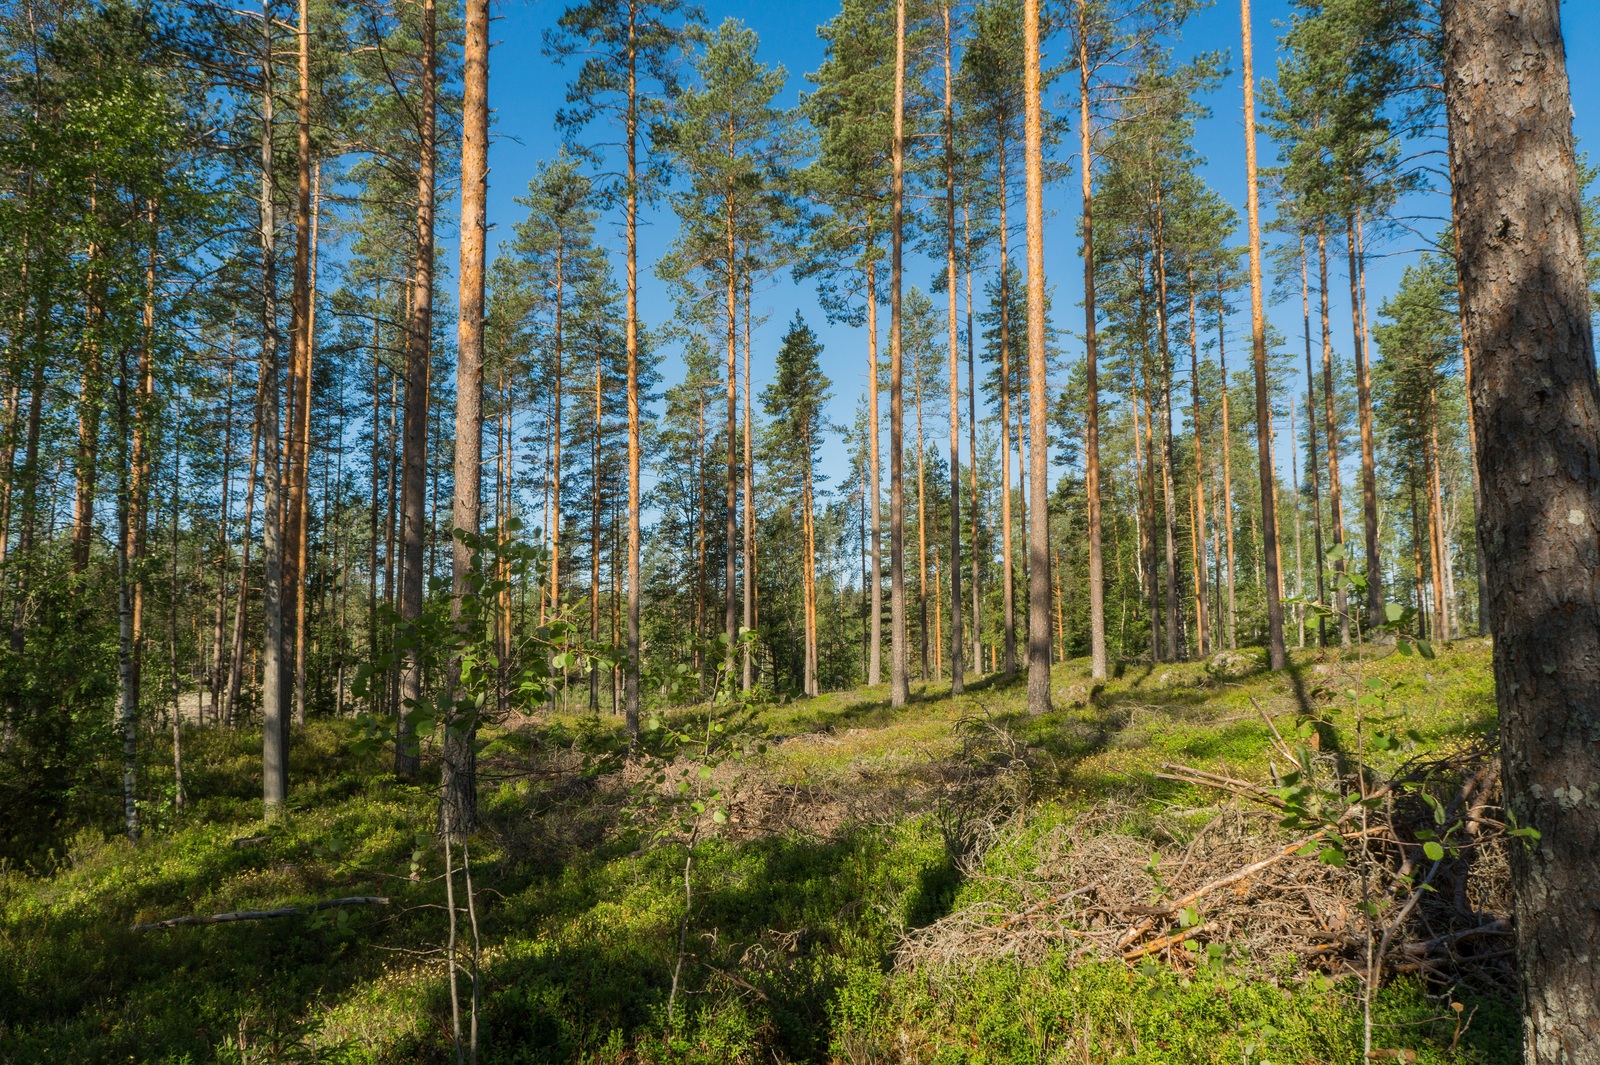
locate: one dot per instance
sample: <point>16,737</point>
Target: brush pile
<point>1332,867</point>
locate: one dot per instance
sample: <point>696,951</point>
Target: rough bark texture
<point>274,721</point>
<point>1269,518</point>
<point>1537,414</point>
<point>458,811</point>
<point>299,391</point>
<point>1038,415</point>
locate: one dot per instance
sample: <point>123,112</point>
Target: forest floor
<point>955,881</point>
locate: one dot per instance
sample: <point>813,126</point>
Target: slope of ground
<point>951,882</point>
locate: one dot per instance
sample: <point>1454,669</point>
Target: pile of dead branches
<point>1363,891</point>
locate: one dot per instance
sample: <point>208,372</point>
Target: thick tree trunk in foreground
<point>458,810</point>
<point>1537,414</point>
<point>1038,473</point>
<point>1269,518</point>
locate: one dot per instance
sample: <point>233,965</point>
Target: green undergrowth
<point>790,951</point>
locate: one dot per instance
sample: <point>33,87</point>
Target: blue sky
<point>526,89</point>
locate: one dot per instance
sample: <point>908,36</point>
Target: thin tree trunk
<point>972,442</point>
<point>1269,520</point>
<point>1008,592</point>
<point>957,665</point>
<point>1091,442</point>
<point>1202,616</point>
<point>1369,475</point>
<point>875,648</point>
<point>1176,645</point>
<point>419,348</point>
<point>631,343</point>
<point>1227,467</point>
<point>299,391</point>
<point>1038,404</point>
<point>1436,535</point>
<point>899,664</point>
<point>1331,427</point>
<point>922,528</point>
<point>594,531</point>
<point>1311,441</point>
<point>219,629</point>
<point>747,676</point>
<point>731,580</point>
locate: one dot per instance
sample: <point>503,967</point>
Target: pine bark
<point>957,664</point>
<point>414,430</point>
<point>274,718</point>
<point>1091,437</point>
<point>899,664</point>
<point>1331,427</point>
<point>1269,519</point>
<point>458,811</point>
<point>1038,478</point>
<point>299,391</point>
<point>631,343</point>
<point>1537,412</point>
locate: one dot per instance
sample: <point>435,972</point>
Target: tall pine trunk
<point>458,811</point>
<point>1331,427</point>
<point>631,343</point>
<point>419,350</point>
<point>1537,411</point>
<point>1091,434</point>
<point>1039,530</point>
<point>899,664</point>
<point>957,666</point>
<point>1269,518</point>
<point>274,718</point>
<point>1369,474</point>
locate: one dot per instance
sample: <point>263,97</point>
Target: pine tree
<point>630,73</point>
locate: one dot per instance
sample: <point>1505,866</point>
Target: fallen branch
<point>1164,942</point>
<point>261,915</point>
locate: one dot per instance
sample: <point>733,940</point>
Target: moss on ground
<point>791,945</point>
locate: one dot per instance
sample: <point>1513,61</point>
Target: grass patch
<point>793,936</point>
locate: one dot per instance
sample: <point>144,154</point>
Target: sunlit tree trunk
<point>1369,475</point>
<point>1269,519</point>
<point>1091,440</point>
<point>1038,383</point>
<point>1331,427</point>
<point>458,811</point>
<point>957,665</point>
<point>419,347</point>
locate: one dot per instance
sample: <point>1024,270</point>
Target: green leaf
<point>1433,850</point>
<point>705,772</point>
<point>1332,856</point>
<point>1393,611</point>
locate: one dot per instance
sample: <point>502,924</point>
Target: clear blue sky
<point>526,89</point>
